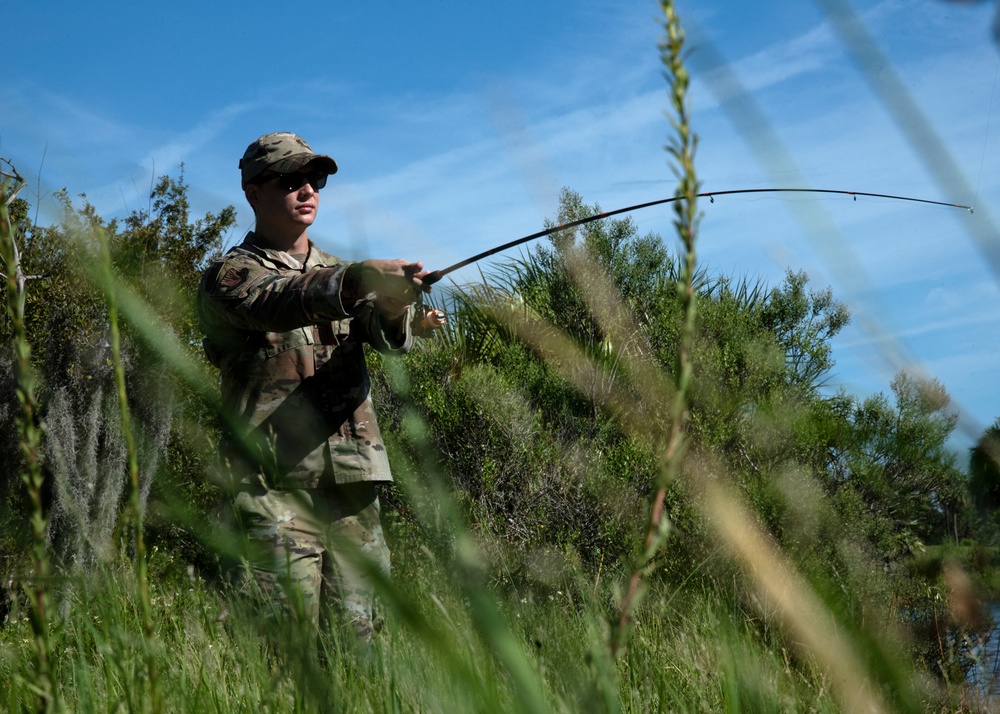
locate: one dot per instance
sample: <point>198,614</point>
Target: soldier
<point>286,324</point>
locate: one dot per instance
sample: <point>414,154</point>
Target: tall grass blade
<point>30,428</point>
<point>681,149</point>
<point>486,616</point>
<point>913,123</point>
<point>135,494</point>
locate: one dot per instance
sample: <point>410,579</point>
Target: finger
<point>417,278</point>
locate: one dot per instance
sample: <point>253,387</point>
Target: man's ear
<point>251,193</point>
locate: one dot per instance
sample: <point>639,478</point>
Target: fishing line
<point>436,275</point>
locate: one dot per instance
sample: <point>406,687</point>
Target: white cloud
<point>179,148</point>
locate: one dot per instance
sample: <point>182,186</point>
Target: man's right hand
<point>393,278</point>
<point>396,283</point>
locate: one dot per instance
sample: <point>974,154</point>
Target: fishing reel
<point>427,320</point>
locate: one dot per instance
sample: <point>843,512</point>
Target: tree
<point>159,254</point>
<point>984,484</point>
<point>898,465</point>
<point>552,466</point>
<point>804,323</point>
<point>984,468</point>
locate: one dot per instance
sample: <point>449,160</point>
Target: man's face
<point>288,199</point>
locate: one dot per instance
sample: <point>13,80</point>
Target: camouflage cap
<point>281,152</point>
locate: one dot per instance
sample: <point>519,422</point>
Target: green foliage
<point>29,435</point>
<point>848,488</point>
<point>984,469</point>
<point>897,465</point>
<point>158,253</point>
<point>162,253</point>
<point>542,465</point>
<point>804,323</point>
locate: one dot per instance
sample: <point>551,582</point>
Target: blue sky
<point>455,124</point>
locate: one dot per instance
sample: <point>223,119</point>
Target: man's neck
<point>278,240</point>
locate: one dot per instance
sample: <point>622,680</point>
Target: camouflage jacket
<point>294,378</point>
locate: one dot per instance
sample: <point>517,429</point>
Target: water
<point>985,675</point>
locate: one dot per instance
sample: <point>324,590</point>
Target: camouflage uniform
<point>304,448</point>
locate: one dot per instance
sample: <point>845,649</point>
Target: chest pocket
<point>329,333</point>
<point>277,342</point>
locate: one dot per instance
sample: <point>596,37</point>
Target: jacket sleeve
<point>245,295</point>
<point>250,296</point>
<point>380,334</point>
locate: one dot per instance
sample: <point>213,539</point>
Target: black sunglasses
<point>295,181</point>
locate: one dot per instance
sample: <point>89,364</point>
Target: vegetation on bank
<point>621,486</point>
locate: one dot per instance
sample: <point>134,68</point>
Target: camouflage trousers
<point>309,548</point>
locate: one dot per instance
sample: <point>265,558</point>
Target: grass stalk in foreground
<point>481,606</point>
<point>681,149</point>
<point>135,495</point>
<point>29,424</point>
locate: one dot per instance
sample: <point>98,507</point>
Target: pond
<point>985,675</point>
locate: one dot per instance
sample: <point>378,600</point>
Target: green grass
<point>214,654</point>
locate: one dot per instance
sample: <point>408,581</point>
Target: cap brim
<point>324,163</point>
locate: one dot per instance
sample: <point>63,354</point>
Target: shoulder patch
<point>233,278</point>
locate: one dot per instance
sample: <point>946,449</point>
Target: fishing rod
<point>436,275</point>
